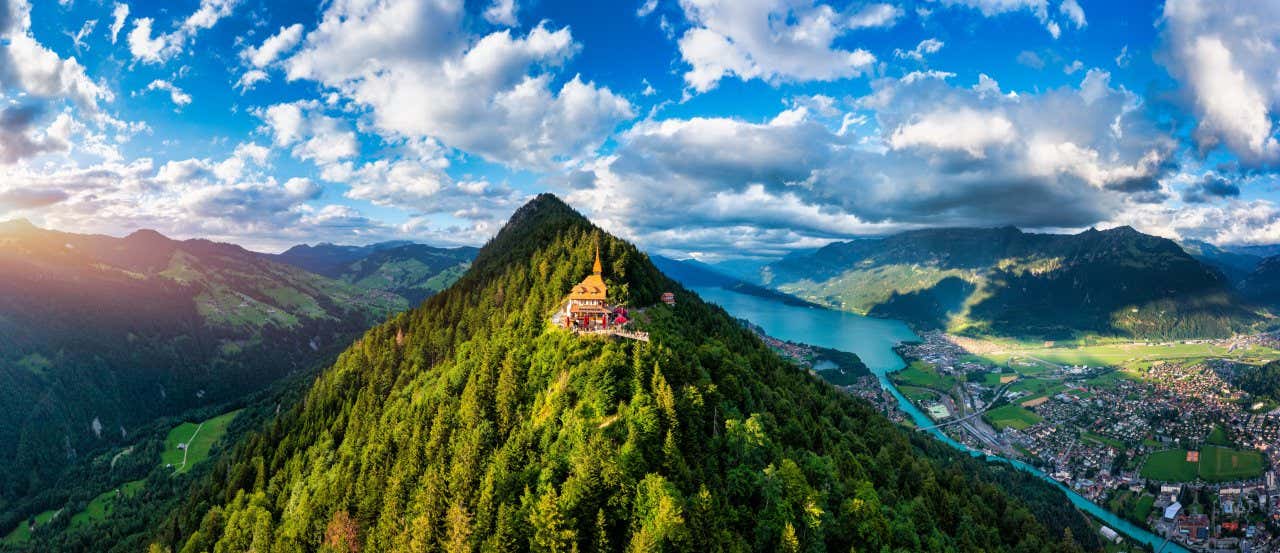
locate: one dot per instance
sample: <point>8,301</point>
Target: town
<point>1157,433</point>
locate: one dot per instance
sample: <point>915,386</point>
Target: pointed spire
<point>596,268</point>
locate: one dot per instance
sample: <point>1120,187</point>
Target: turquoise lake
<point>873,340</point>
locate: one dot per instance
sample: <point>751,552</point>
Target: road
<point>187,449</point>
<point>999,393</point>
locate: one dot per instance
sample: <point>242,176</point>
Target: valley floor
<point>1156,432</point>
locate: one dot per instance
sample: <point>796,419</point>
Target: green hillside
<point>470,423</point>
<point>99,336</point>
<point>1005,282</point>
<point>411,271</point>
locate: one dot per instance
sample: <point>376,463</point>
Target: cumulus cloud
<point>773,40</point>
<point>1224,52</point>
<point>160,48</point>
<point>20,138</point>
<point>490,95</point>
<point>965,130</point>
<point>27,65</point>
<point>931,154</point>
<point>232,198</point>
<point>1231,221</point>
<point>274,46</point>
<point>311,135</point>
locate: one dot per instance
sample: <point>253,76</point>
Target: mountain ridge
<point>469,422</point>
<point>1007,282</point>
<point>100,335</point>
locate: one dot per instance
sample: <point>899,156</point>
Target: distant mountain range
<point>412,271</point>
<point>694,273</point>
<point>99,335</point>
<point>1006,282</point>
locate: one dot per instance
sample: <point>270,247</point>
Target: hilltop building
<point>586,308</point>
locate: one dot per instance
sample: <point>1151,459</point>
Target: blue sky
<point>713,128</point>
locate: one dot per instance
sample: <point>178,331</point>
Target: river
<point>873,340</point>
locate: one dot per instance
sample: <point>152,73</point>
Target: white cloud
<point>931,154</point>
<point>1231,222</point>
<point>491,96</point>
<point>274,46</point>
<point>1224,52</point>
<point>251,78</point>
<point>1073,12</point>
<point>1072,67</point>
<point>21,137</point>
<point>29,66</point>
<point>1123,58</point>
<point>501,12</point>
<point>142,46</point>
<point>925,47</point>
<point>771,40</point>
<point>77,38</point>
<point>176,94</point>
<point>161,48</point>
<point>1039,8</point>
<point>311,134</point>
<point>118,16</point>
<point>964,130</point>
<point>875,15</point>
<point>646,8</point>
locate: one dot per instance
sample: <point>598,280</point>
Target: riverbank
<point>873,341</point>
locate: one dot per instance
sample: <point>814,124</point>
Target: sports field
<point>1170,466</point>
<point>1011,416</point>
<point>1223,464</point>
<point>1215,464</point>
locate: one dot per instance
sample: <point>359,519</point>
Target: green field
<point>21,534</point>
<point>922,375</point>
<point>1011,416</point>
<point>1169,465</point>
<point>205,435</point>
<point>1122,354</point>
<point>1217,464</point>
<point>1223,464</point>
<point>918,394</point>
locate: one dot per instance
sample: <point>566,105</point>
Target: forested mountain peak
<point>471,423</point>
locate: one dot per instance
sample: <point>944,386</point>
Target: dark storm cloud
<point>1209,188</point>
